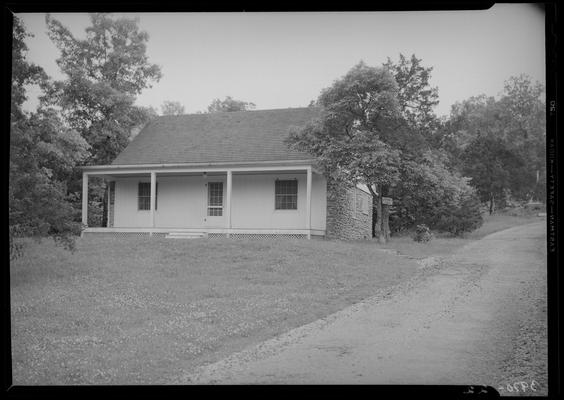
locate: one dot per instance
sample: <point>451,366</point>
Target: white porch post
<point>228,202</point>
<point>84,199</point>
<point>108,213</point>
<point>153,193</point>
<point>308,203</point>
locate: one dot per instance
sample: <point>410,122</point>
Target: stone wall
<point>349,213</point>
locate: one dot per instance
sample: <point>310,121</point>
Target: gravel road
<point>477,317</point>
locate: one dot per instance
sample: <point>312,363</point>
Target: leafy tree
<point>23,72</point>
<point>517,119</point>
<point>370,131</point>
<point>43,153</point>
<point>150,114</point>
<point>358,110</point>
<point>417,98</point>
<point>172,108</point>
<point>493,167</point>
<point>415,136</point>
<point>104,73</point>
<point>432,195</point>
<point>477,116</point>
<point>229,104</point>
<point>525,112</point>
<point>523,101</point>
<point>463,217</point>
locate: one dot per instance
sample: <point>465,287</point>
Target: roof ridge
<point>240,111</point>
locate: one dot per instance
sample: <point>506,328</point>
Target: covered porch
<point>262,198</point>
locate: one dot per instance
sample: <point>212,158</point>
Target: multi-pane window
<point>286,194</point>
<point>215,199</point>
<point>144,195</point>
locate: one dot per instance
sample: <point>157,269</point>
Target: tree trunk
<point>105,206</point>
<point>374,214</point>
<point>385,216</point>
<point>386,222</point>
<point>380,219</point>
<point>534,196</point>
<point>380,222</point>
<point>491,203</point>
<point>377,230</point>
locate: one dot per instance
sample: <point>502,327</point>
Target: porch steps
<point>185,235</point>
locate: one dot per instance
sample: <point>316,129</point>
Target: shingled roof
<point>240,136</point>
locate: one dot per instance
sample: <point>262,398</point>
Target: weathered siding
<point>349,213</point>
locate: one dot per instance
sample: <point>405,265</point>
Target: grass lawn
<point>144,310</point>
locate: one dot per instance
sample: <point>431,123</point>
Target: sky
<point>281,60</point>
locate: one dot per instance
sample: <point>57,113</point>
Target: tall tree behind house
<point>104,74</point>
<point>516,123</point>
<point>358,110</point>
<point>172,108</point>
<point>368,133</point>
<point>230,104</point>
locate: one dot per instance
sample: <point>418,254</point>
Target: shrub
<point>464,218</point>
<point>422,233</point>
<point>428,193</point>
<point>95,212</point>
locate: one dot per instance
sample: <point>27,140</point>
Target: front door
<point>214,212</point>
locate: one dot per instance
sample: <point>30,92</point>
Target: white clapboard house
<point>225,174</point>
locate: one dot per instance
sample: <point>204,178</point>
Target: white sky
<point>280,60</point>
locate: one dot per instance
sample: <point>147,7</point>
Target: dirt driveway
<point>478,317</point>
